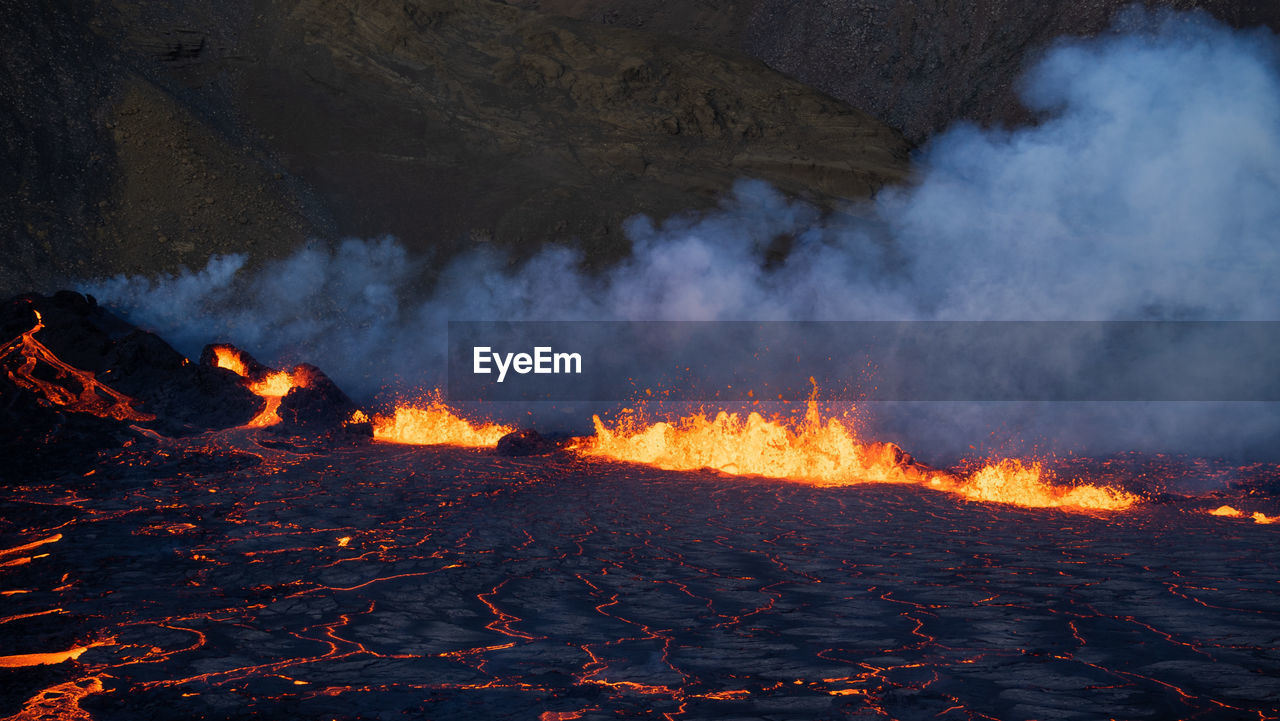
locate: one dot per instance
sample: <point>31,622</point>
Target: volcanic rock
<point>77,380</point>
<point>317,404</point>
<point>529,442</point>
<point>919,67</point>
<point>152,135</point>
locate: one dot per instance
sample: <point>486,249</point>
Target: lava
<point>433,422</point>
<point>826,452</point>
<point>271,386</point>
<point>30,364</point>
<point>1256,516</point>
<point>44,659</point>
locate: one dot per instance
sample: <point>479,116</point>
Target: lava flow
<point>827,452</point>
<point>31,365</point>
<point>272,386</point>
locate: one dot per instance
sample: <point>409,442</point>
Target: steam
<point>1149,190</point>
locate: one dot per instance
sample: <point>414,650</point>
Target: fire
<point>45,659</point>
<point>271,387</point>
<point>825,452</point>
<point>432,422</point>
<point>61,701</point>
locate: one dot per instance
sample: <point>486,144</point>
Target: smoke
<point>1149,189</point>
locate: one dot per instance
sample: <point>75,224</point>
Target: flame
<point>825,452</point>
<point>432,422</point>
<point>72,388</point>
<point>271,387</point>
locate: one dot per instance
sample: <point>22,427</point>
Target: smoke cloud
<point>1149,189</point>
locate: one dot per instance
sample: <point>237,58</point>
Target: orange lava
<point>31,365</point>
<point>1256,516</point>
<point>271,387</point>
<point>1010,481</point>
<point>825,452</point>
<point>59,702</point>
<point>432,422</point>
<point>44,659</point>
<point>34,544</point>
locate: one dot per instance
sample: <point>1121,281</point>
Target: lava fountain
<point>827,452</point>
<point>271,386</point>
<point>431,421</point>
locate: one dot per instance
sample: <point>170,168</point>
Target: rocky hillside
<point>143,136</point>
<point>917,65</point>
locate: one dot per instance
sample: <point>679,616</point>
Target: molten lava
<point>816,451</point>
<point>1010,481</point>
<point>432,422</point>
<point>271,386</point>
<point>825,452</point>
<point>31,365</point>
<point>44,659</point>
<point>1256,516</point>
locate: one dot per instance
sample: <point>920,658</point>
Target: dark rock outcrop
<point>528,442</point>
<point>918,66</point>
<point>444,122</point>
<point>318,404</point>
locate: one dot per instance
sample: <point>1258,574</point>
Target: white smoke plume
<point>1150,189</point>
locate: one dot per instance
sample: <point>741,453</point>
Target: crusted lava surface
<point>227,576</point>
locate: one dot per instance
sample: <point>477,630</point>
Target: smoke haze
<point>1150,189</point>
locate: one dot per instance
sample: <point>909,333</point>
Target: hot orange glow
<point>224,357</point>
<point>59,702</point>
<point>44,659</point>
<point>271,387</point>
<point>1256,516</point>
<point>432,422</point>
<point>1010,481</point>
<point>72,388</point>
<point>825,452</point>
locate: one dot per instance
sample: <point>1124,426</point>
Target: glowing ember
<point>228,358</point>
<point>824,452</point>
<point>59,702</point>
<point>435,423</point>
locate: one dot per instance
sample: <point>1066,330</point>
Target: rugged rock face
<point>916,65</point>
<point>150,135</point>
